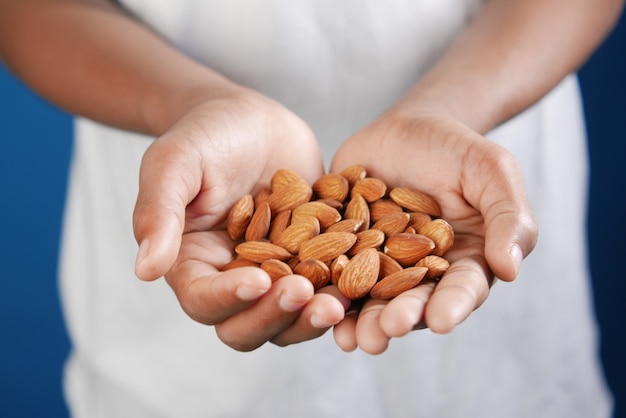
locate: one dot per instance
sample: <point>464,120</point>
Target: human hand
<point>481,193</point>
<point>217,152</point>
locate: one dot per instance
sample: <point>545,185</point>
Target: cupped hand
<point>480,190</point>
<point>217,152</point>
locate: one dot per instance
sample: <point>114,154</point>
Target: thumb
<point>168,181</point>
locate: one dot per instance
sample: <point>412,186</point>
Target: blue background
<point>35,147</point>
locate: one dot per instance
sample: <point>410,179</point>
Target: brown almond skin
<point>332,186</point>
<point>354,173</point>
<point>298,232</point>
<point>360,275</point>
<point>391,286</point>
<point>372,238</point>
<point>326,247</point>
<point>415,201</point>
<point>346,225</point>
<point>357,208</point>
<point>262,196</point>
<point>442,234</point>
<point>387,265</point>
<point>407,249</point>
<point>259,251</point>
<point>279,224</point>
<point>289,198</point>
<point>239,217</point>
<point>259,225</point>
<point>284,179</point>
<point>317,272</point>
<point>336,268</point>
<point>435,264</point>
<point>371,188</point>
<point>238,262</point>
<point>392,224</point>
<point>383,207</point>
<point>324,213</point>
<point>276,268</point>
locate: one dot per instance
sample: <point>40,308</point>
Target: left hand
<point>480,190</point>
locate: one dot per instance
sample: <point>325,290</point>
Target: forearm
<point>509,57</point>
<point>89,58</point>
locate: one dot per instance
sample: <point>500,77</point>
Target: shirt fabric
<point>529,351</point>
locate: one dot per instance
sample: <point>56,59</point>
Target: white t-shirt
<point>529,351</point>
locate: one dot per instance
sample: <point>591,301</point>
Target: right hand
<point>217,152</point>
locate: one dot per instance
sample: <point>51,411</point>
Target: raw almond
<point>354,173</point>
<point>326,247</point>
<point>418,219</point>
<point>336,204</point>
<point>442,234</point>
<point>382,208</point>
<point>290,197</point>
<point>239,217</point>
<point>371,238</point>
<point>262,196</point>
<point>415,201</point>
<point>285,179</point>
<point>392,224</point>
<point>391,286</point>
<point>435,264</point>
<point>336,268</point>
<point>279,224</point>
<point>259,251</point>
<point>346,225</point>
<point>238,262</point>
<point>360,275</point>
<point>317,272</point>
<point>407,249</point>
<point>324,213</point>
<point>276,268</point>
<point>371,188</point>
<point>332,186</point>
<point>357,208</point>
<point>298,232</point>
<point>260,223</point>
<point>387,265</point>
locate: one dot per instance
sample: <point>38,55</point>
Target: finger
<point>404,312</point>
<point>344,332</point>
<point>169,179</point>
<point>369,335</point>
<point>271,314</point>
<point>323,311</point>
<point>511,231</point>
<point>462,289</point>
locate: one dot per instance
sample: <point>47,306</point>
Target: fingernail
<point>517,255</point>
<point>318,322</point>
<point>142,253</point>
<point>289,302</point>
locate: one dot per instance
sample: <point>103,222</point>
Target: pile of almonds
<point>347,229</point>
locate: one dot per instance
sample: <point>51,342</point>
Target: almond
<point>290,197</point>
<point>347,225</point>
<point>442,234</point>
<point>285,179</point>
<point>262,196</point>
<point>392,224</point>
<point>387,265</point>
<point>238,262</point>
<point>336,204</point>
<point>372,189</point>
<point>357,208</point>
<point>326,247</point>
<point>436,266</point>
<point>407,249</point>
<point>324,213</point>
<point>336,268</point>
<point>332,186</point>
<point>279,224</point>
<point>360,275</point>
<point>354,173</point>
<point>259,251</point>
<point>239,217</point>
<point>371,238</point>
<point>317,272</point>
<point>419,219</point>
<point>276,268</point>
<point>260,223</point>
<point>391,286</point>
<point>382,208</point>
<point>295,234</point>
<point>415,201</point>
